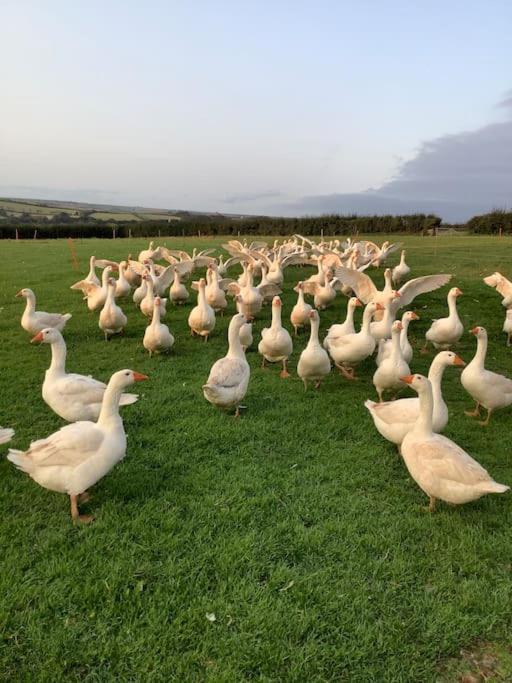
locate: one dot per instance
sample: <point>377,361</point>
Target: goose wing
<point>362,285</point>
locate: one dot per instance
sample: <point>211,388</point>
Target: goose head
<point>25,293</point>
<point>47,336</point>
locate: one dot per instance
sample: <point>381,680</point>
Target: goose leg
<point>318,384</point>
<point>75,515</point>
<point>305,381</point>
<point>432,504</point>
<point>508,340</point>
<point>237,412</point>
<point>205,338</point>
<point>485,422</point>
<point>263,366</point>
<point>348,373</point>
<point>296,330</point>
<point>475,412</point>
<point>284,372</point>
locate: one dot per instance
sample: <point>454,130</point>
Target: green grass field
<point>297,525</point>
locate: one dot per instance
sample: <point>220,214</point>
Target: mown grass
<point>297,525</point>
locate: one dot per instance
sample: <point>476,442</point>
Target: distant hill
<point>49,210</point>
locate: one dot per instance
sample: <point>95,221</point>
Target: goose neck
<point>58,363</point>
<point>423,424</point>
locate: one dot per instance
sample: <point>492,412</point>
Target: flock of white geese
<point>78,455</point>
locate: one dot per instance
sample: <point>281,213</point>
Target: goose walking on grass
<point>385,344</point>
<point>112,320</point>
<point>77,456</point>
<point>445,332</point>
<point>394,419</point>
<point>94,294</point>
<point>228,380</point>
<point>488,389</point>
<point>276,345</point>
<point>157,337</point>
<point>201,319</point>
<point>352,349</point>
<point>314,363</point>
<point>71,396</point>
<point>441,468</point>
<point>339,330</point>
<point>300,312</point>
<point>401,271</point>
<point>34,321</point>
<point>387,376</point>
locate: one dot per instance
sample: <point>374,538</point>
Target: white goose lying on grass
<point>394,419</point>
<point>77,456</point>
<point>228,380</point>
<point>34,321</point>
<point>488,389</point>
<point>73,397</point>
<point>438,465</point>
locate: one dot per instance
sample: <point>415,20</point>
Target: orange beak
<point>474,331</point>
<point>458,361</point>
<point>414,316</point>
<point>458,292</point>
<point>358,302</point>
<point>37,338</point>
<point>379,307</point>
<point>407,379</point>
<point>138,377</point>
<point>311,314</point>
<point>399,326</point>
<point>20,293</point>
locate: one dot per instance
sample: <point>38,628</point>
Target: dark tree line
<point>63,225</point>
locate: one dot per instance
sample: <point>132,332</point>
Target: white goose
<point>123,287</point>
<point>323,294</point>
<point>201,319</point>
<point>341,329</point>
<point>401,271</point>
<point>157,337</point>
<point>229,377</point>
<point>251,297</point>
<point>366,291</point>
<point>112,320</point>
<point>438,465</point>
<point>77,456</point>
<point>393,419</point>
<point>73,397</point>
<point>387,376</point>
<point>502,286</point>
<point>6,434</point>
<point>488,389</point>
<point>34,321</point>
<point>300,312</point>
<point>507,325</point>
<point>314,363</point>
<point>215,295</point>
<point>351,349</point>
<point>381,329</point>
<point>276,344</point>
<point>385,344</point>
<point>446,331</point>
<point>95,294</point>
<point>148,302</point>
<point>178,293</point>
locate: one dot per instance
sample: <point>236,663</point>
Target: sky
<point>274,107</point>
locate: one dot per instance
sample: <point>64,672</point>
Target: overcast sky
<point>264,107</point>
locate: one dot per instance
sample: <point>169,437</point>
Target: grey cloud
<point>251,196</point>
<point>454,176</point>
